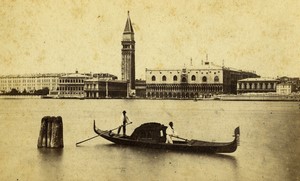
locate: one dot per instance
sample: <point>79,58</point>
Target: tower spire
<point>128,26</point>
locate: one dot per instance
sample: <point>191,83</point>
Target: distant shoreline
<point>259,98</point>
<point>295,98</point>
<point>20,96</point>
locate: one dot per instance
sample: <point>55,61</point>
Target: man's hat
<point>124,112</point>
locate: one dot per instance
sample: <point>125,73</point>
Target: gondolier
<point>170,133</point>
<point>125,120</point>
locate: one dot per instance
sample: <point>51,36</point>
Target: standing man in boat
<point>170,133</point>
<point>125,120</point>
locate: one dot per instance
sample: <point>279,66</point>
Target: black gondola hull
<point>189,146</point>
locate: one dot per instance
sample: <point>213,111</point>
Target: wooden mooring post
<point>51,133</point>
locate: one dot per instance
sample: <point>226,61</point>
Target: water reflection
<point>50,163</point>
<point>166,162</point>
<point>52,153</point>
<point>223,157</point>
<point>132,150</point>
<point>149,152</point>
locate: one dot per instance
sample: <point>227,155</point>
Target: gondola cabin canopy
<point>150,132</point>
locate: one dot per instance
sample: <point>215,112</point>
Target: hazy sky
<point>62,36</point>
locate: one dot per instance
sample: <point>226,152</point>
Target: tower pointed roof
<point>128,26</point>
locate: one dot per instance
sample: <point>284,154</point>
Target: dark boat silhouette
<point>153,135</point>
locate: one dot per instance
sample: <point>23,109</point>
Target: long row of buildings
<point>29,83</point>
<point>167,84</point>
<point>188,82</point>
<point>64,85</point>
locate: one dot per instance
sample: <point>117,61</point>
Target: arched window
<point>216,79</point>
<point>183,79</point>
<point>193,77</point>
<point>164,78</point>
<point>175,78</point>
<point>153,78</point>
<point>204,79</point>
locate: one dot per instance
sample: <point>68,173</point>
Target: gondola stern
<point>237,135</point>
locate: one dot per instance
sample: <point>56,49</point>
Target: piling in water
<point>51,133</point>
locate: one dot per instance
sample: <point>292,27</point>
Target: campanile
<point>128,56</point>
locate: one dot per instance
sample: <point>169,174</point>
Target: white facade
<point>257,85</point>
<point>204,81</point>
<point>72,86</point>
<point>30,83</point>
<point>209,75</point>
<point>284,88</point>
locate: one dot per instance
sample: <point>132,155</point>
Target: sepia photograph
<point>150,90</point>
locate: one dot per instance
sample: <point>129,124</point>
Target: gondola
<point>153,135</point>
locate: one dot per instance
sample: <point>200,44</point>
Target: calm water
<point>270,140</point>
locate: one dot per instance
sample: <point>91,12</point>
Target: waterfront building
<point>128,57</point>
<point>295,81</point>
<point>72,85</point>
<point>285,88</point>
<point>256,85</point>
<point>140,88</point>
<point>29,83</point>
<point>110,88</point>
<point>105,88</point>
<point>205,81</point>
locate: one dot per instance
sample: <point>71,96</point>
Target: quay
<point>264,97</point>
<point>20,96</point>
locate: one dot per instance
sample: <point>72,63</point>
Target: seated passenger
<point>170,133</point>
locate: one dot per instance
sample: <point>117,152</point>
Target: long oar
<point>179,138</point>
<point>87,140</point>
<point>99,135</point>
<point>119,127</point>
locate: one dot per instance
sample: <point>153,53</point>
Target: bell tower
<point>128,57</point>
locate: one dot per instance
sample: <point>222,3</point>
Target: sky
<point>64,36</point>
